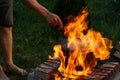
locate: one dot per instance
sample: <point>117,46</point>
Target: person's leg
<point>3,75</point>
<point>6,44</point>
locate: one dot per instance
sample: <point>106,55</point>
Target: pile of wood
<point>117,52</point>
<point>46,71</point>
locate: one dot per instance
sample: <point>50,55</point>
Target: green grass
<point>33,40</point>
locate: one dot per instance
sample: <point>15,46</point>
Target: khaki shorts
<point>6,13</point>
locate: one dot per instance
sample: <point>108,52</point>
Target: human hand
<point>51,18</point>
<point>54,20</point>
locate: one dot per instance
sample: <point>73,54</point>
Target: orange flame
<point>85,49</point>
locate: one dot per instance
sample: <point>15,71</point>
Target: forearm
<point>35,6</point>
<point>51,18</point>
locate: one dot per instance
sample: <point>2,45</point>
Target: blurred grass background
<point>33,39</point>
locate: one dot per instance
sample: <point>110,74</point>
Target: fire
<point>85,46</point>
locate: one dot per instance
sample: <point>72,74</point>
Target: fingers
<point>54,20</point>
<point>57,22</point>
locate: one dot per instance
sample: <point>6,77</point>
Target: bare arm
<point>34,5</point>
<point>51,18</point>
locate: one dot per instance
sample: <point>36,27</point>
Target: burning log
<point>82,49</point>
<point>106,72</point>
<point>79,55</point>
<point>46,70</point>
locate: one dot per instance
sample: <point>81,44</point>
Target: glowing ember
<point>86,47</point>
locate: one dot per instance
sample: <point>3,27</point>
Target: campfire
<point>85,47</point>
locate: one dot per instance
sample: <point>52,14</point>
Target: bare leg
<point>6,43</point>
<point>3,75</point>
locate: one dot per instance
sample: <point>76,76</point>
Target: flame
<point>85,46</point>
